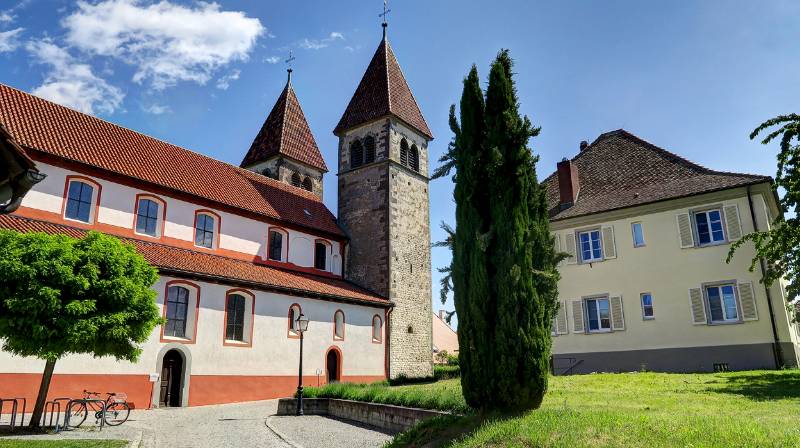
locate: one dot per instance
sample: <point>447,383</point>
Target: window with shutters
<point>307,184</point>
<point>369,149</point>
<point>721,302</point>
<point>598,315</point>
<point>356,154</point>
<point>296,181</point>
<point>708,227</point>
<point>590,245</point>
<point>404,152</point>
<point>234,323</point>
<point>338,325</point>
<point>638,234</point>
<point>647,306</point>
<point>413,158</point>
<point>276,244</point>
<point>81,199</point>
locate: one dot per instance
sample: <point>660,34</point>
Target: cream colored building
<point>445,339</point>
<point>646,285</point>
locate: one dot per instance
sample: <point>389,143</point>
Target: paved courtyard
<point>251,424</point>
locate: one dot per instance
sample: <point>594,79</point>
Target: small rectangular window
<point>599,315</point>
<point>638,234</point>
<point>722,303</point>
<point>79,201</point>
<point>590,245</point>
<point>647,306</point>
<point>708,225</point>
<point>320,255</point>
<point>204,231</point>
<point>147,217</point>
<point>275,245</point>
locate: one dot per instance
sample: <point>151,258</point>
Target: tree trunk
<point>41,399</point>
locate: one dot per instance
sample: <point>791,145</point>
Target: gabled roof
<point>184,262</point>
<point>383,91</point>
<point>40,125</point>
<point>621,170</point>
<point>285,132</point>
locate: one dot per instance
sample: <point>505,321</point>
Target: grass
<point>743,409</point>
<point>63,443</point>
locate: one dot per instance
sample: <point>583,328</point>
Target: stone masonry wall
<point>282,169</point>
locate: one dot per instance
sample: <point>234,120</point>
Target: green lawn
<point>741,409</point>
<point>65,443</point>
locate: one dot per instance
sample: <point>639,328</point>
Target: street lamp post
<point>302,326</point>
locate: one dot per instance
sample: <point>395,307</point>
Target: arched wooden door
<point>333,364</point>
<point>171,379</point>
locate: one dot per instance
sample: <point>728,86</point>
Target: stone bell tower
<point>384,206</point>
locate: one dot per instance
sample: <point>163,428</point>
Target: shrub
<point>446,372</point>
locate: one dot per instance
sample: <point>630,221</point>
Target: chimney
<point>584,144</point>
<point>441,314</point>
<point>568,185</point>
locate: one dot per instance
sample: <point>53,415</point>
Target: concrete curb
<point>281,435</point>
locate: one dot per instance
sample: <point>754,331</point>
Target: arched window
<point>148,216</point>
<point>307,185</point>
<point>81,199</point>
<point>356,154</point>
<point>276,243</point>
<point>294,313</point>
<point>177,308</point>
<point>413,158</point>
<point>369,149</point>
<point>338,325</point>
<point>377,325</point>
<point>321,255</point>
<point>205,230</point>
<point>404,152</point>
<point>296,180</point>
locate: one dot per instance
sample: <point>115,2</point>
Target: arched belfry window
<point>404,152</point>
<point>296,179</point>
<point>307,185</point>
<point>356,154</point>
<point>413,158</point>
<point>369,149</point>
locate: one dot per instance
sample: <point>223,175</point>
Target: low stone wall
<point>384,416</point>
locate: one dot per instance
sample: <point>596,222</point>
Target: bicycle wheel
<point>117,413</point>
<point>77,414</point>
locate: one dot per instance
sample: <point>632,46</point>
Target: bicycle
<point>116,413</point>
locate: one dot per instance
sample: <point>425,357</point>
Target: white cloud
<point>8,40</point>
<point>166,42</point>
<point>6,17</point>
<point>156,109</point>
<point>72,83</point>
<point>318,44</point>
<point>225,81</point>
<point>272,60</point>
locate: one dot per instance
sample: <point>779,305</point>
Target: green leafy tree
<point>503,272</point>
<point>778,249</point>
<point>60,296</point>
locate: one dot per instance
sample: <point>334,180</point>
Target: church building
<point>243,251</point>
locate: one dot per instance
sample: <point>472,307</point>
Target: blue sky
<point>692,77</point>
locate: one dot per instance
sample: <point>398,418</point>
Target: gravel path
<point>251,424</point>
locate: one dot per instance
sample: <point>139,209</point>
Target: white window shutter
<point>685,230</point>
<point>732,222</point>
<point>747,299</point>
<point>570,246</point>
<point>561,318</point>
<point>617,315</point>
<point>577,317</point>
<point>609,245</point>
<point>698,306</point>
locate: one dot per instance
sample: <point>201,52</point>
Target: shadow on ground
<point>769,386</point>
<point>442,431</point>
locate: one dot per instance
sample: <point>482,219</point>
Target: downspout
<point>387,343</point>
<point>777,351</point>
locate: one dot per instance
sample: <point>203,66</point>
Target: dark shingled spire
<point>383,91</point>
<point>285,132</point>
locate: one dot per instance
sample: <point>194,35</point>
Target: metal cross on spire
<point>385,16</point>
<point>289,64</point>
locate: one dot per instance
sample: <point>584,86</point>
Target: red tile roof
<point>182,262</point>
<point>50,128</point>
<point>383,91</point>
<point>621,170</point>
<point>285,132</point>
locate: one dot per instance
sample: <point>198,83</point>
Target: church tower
<point>284,148</point>
<point>384,206</point>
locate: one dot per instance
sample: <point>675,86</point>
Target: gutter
<point>777,351</point>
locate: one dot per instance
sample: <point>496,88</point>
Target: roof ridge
<point>411,92</point>
<point>386,69</point>
<point>285,109</point>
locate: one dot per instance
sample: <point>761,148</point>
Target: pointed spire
<point>383,90</point>
<point>286,132</point>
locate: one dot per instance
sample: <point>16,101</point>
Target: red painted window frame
<point>87,180</point>
<point>249,342</point>
<point>196,312</point>
<point>162,204</point>
<point>217,228</point>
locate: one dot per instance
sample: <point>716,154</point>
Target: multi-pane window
<point>234,328</point>
<point>647,306</point>
<point>709,227</point>
<point>177,307</point>
<point>376,328</point>
<point>591,249</point>
<point>338,325</point>
<point>598,314</point>
<point>204,231</point>
<point>638,234</point>
<point>79,201</point>
<point>275,245</point>
<point>147,217</point>
<point>320,255</point>
<point>722,303</point>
